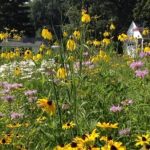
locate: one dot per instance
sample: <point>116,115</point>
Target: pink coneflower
<point>124,132</point>
<point>142,54</point>
<point>15,115</point>
<point>30,92</point>
<point>141,73</point>
<point>136,65</point>
<point>116,108</point>
<point>9,98</point>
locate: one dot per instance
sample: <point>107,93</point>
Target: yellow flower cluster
<point>71,45</point>
<point>3,35</point>
<point>146,31</point>
<point>77,34</point>
<point>61,73</point>
<point>122,37</point>
<point>147,49</point>
<point>106,34</point>
<point>102,56</point>
<point>10,55</point>
<point>112,27</point>
<point>46,34</point>
<point>106,41</point>
<point>85,17</point>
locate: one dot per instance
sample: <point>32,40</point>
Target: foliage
<point>15,14</point>
<point>76,93</point>
<point>141,14</point>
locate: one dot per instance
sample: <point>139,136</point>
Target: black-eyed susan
<point>47,105</point>
<point>61,73</point>
<point>113,145</point>
<point>74,146</point>
<point>14,125</point>
<point>60,147</point>
<point>6,140</point>
<point>105,138</point>
<point>107,125</point>
<point>28,54</point>
<point>77,34</point>
<point>93,148</point>
<point>46,34</point>
<point>71,45</point>
<point>87,140</point>
<point>17,71</point>
<point>68,125</point>
<point>143,140</point>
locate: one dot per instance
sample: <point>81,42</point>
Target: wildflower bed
<point>82,96</point>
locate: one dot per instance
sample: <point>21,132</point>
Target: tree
<point>142,12</point>
<point>15,14</point>
<point>46,13</point>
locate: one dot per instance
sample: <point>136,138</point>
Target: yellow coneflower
<point>85,18</point>
<point>146,31</point>
<point>112,27</point>
<point>96,42</point>
<point>39,56</point>
<point>47,35</point>
<point>76,34</point>
<point>106,34</point>
<point>147,49</point>
<point>17,52</point>
<point>71,58</point>
<point>83,11</point>
<point>48,52</point>
<point>107,125</point>
<point>122,37</point>
<point>68,125</point>
<point>47,105</point>
<point>71,45</point>
<point>28,54</point>
<point>143,140</point>
<point>106,41</point>
<point>65,34</point>
<point>3,55</point>
<point>61,73</point>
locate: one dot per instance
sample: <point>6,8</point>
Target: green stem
<point>57,104</point>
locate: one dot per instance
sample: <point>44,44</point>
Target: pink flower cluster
<point>143,54</point>
<point>136,65</point>
<point>141,73</point>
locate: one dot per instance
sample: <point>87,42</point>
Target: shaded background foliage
<point>33,15</point>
